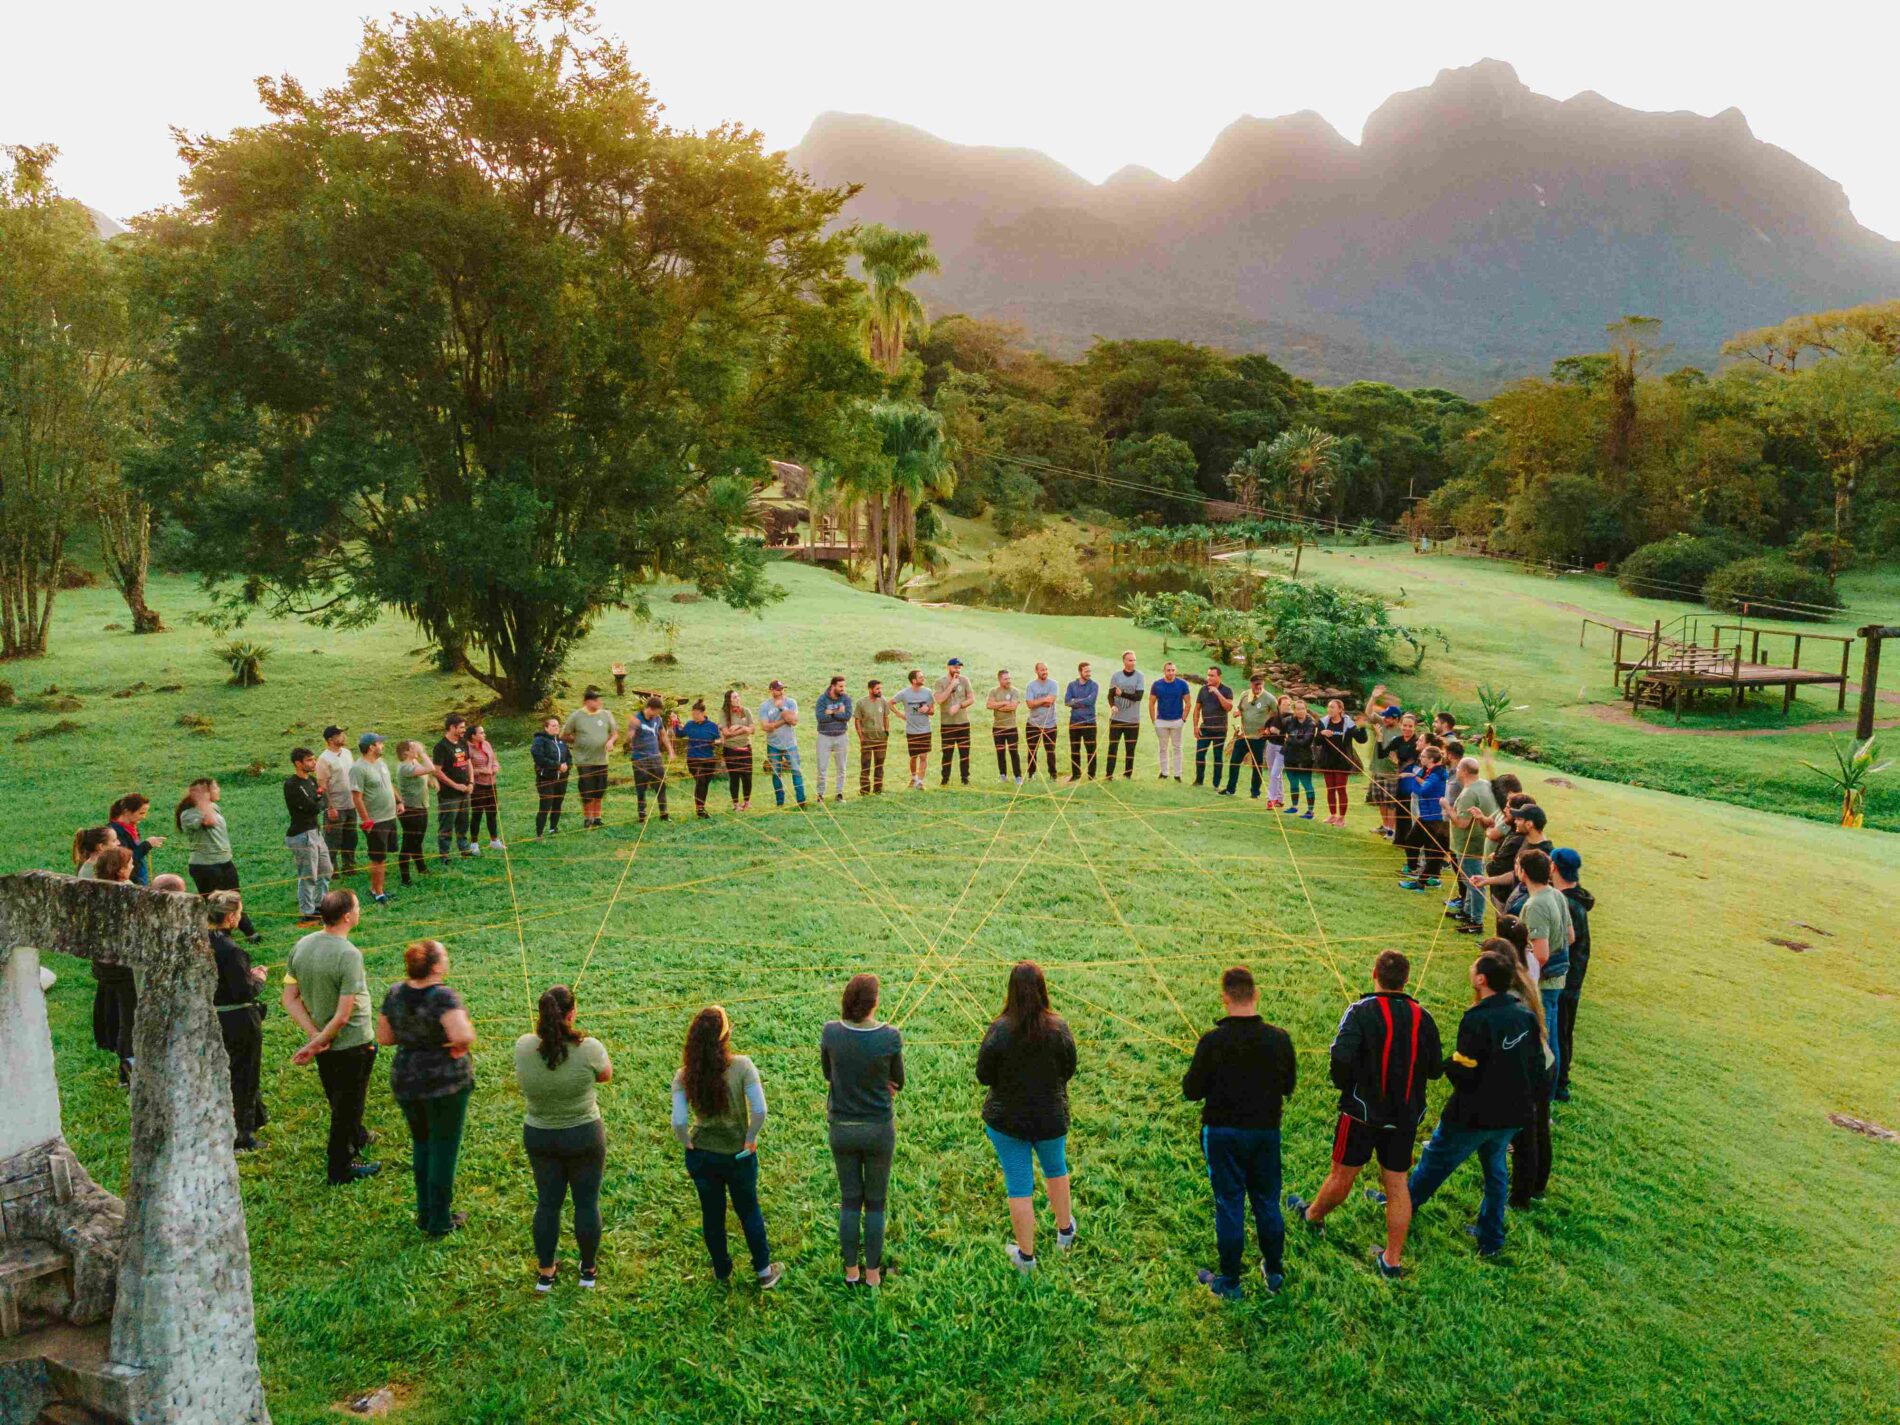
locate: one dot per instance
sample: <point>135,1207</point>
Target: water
<point>1114,584</point>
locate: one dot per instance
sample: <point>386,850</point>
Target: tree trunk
<point>125,542</point>
<point>1299,545</point>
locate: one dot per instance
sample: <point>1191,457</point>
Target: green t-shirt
<point>952,690</point>
<point>210,842</point>
<point>412,785</point>
<point>1006,716</point>
<point>590,731</point>
<point>370,780</point>
<point>726,1133</point>
<point>561,1097</point>
<point>1254,712</point>
<point>324,968</point>
<point>1478,797</point>
<point>1546,915</point>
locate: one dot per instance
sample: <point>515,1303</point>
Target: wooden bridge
<point>1668,666</point>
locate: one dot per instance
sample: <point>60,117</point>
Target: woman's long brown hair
<point>707,1057</point>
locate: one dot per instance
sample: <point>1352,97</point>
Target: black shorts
<point>1356,1141</point>
<point>918,743</point>
<point>382,841</point>
<point>593,783</point>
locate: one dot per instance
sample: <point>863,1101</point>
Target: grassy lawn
<point>1713,1249</point>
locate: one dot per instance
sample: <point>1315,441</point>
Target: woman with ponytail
<point>558,1067</point>
<point>718,1110</point>
<point>1530,1150</point>
<point>88,842</point>
<point>123,822</point>
<point>431,1077</point>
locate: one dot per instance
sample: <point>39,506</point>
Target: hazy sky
<point>1095,85</point>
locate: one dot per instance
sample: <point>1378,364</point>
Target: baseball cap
<point>954,663</point>
<point>592,692</point>
<point>1533,814</point>
<point>1394,711</point>
<point>331,731</point>
<point>368,740</point>
<point>1567,861</point>
<point>776,686</point>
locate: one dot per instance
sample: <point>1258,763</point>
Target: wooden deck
<point>1666,671</point>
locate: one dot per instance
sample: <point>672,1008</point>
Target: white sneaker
<point>1023,1264</point>
<point>1019,781</point>
<point>495,844</point>
<point>1066,1239</point>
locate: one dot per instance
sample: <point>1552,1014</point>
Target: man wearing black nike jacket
<point>1497,1075</point>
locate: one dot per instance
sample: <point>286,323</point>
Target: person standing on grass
<point>701,736</point>
<point>1211,707</point>
<point>833,712</point>
<point>553,764</point>
<point>1026,1061</point>
<point>649,744</point>
<point>1385,1051</point>
<point>1167,710</point>
<point>240,1016</point>
<point>593,732</point>
<point>210,865</point>
<point>378,810</point>
<point>485,765</point>
<point>718,1113</point>
<point>123,822</point>
<point>1398,751</point>
<point>1299,731</point>
<point>1003,702</point>
<point>1254,711</point>
<point>309,852</point>
<point>1334,756</point>
<point>326,994</point>
<point>1243,1072</point>
<point>1546,915</point>
<point>1125,689</point>
<point>455,788</point>
<point>872,718</point>
<point>1472,811</point>
<point>778,716</point>
<point>1080,697</point>
<point>1276,751</point>
<point>1039,714</point>
<point>1522,830</point>
<point>735,749</point>
<point>1422,786</point>
<point>954,699</point>
<point>339,810</point>
<point>431,1077</point>
<point>115,993</point>
<point>1566,865</point>
<point>1497,1074</point>
<point>1530,1150</point>
<point>558,1069</point>
<point>863,1063</point>
<point>1382,721</point>
<point>415,775</point>
<point>917,701</point>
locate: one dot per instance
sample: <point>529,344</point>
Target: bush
<point>1671,568</point>
<point>1769,584</point>
<point>245,660</point>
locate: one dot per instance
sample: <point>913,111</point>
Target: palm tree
<point>919,466</point>
<point>1300,464</point>
<point>891,259</point>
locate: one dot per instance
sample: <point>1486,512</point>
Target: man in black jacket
<point>1385,1052</point>
<point>1243,1071</point>
<point>1565,867</point>
<point>1497,1075</point>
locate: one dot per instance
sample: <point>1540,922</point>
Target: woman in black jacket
<point>553,761</point>
<point>1333,755</point>
<point>1026,1061</point>
<point>240,1016</point>
<point>1299,730</point>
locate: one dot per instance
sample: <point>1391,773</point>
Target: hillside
<point>1468,200</point>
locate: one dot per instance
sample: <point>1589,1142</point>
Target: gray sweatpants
<point>862,1153</point>
<point>311,855</point>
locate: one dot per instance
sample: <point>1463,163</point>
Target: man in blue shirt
<point>1080,697</point>
<point>778,718</point>
<point>834,728</point>
<point>1167,710</point>
<point>1039,707</point>
<point>649,743</point>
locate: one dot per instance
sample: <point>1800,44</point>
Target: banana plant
<point>1851,774</point>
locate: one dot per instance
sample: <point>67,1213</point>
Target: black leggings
<point>567,1160</point>
<point>739,776</point>
<point>1010,745</point>
<point>242,1030</point>
<point>483,801</point>
<point>703,774</point>
<point>415,835</point>
<point>553,792</point>
<point>222,877</point>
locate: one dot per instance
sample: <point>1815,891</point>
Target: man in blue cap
<point>954,701</point>
<point>1565,867</point>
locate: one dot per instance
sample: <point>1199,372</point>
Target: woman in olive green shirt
<point>414,773</point>
<point>210,862</point>
<point>557,1068</point>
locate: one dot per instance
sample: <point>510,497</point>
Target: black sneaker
<point>589,1278</point>
<point>1297,1205</point>
<point>358,1171</point>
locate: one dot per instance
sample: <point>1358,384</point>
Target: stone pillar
<point>184,1316</point>
<point>29,1105</point>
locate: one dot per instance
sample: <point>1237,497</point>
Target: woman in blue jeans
<point>718,1111</point>
<point>1026,1061</point>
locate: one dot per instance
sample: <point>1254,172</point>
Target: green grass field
<point>1712,1249</point>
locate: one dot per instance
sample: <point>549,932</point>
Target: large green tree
<point>1848,408</point>
<point>475,335</point>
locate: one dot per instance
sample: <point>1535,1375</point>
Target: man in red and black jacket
<point>1385,1052</point>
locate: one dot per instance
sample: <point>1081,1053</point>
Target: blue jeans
<point>785,759</point>
<point>1474,895</point>
<point>1019,1157</point>
<point>1550,998</point>
<point>1243,1165</point>
<point>716,1175</point>
<point>1253,752</point>
<point>1451,1146</point>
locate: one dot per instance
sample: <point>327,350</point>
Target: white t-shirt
<point>336,762</point>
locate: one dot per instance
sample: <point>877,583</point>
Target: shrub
<point>1770,584</point>
<point>1671,568</point>
<point>245,660</point>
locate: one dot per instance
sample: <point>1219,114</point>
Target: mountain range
<point>1476,232</point>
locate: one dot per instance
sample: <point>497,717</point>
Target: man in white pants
<point>834,727</point>
<point>1167,710</point>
